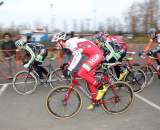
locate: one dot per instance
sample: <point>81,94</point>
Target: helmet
<point>59,36</point>
<point>151,31</point>
<point>21,42</point>
<point>101,37</point>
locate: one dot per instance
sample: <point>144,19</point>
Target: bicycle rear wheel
<point>137,79</point>
<point>59,108</point>
<point>118,98</point>
<point>57,78</point>
<point>25,82</point>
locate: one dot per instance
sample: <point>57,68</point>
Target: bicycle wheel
<point>137,79</point>
<point>57,77</point>
<point>56,105</point>
<point>118,98</point>
<point>24,82</point>
<point>149,74</point>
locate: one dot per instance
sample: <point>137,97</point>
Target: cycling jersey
<point>151,41</point>
<point>117,43</point>
<point>156,50</point>
<point>35,50</point>
<point>79,46</point>
<point>114,47</point>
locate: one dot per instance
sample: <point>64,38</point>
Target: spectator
<point>8,49</point>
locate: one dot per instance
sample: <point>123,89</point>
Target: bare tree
<point>144,15</point>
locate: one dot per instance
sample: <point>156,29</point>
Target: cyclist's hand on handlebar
<point>26,66</point>
<point>64,66</point>
<point>150,53</point>
<point>66,73</point>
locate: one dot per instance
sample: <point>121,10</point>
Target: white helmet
<point>21,42</point>
<point>59,36</point>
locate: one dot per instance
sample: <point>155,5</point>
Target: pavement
<point>29,113</point>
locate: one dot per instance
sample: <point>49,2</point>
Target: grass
<point>137,40</point>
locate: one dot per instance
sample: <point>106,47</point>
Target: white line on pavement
<point>148,102</point>
<point>3,88</point>
<point>7,83</point>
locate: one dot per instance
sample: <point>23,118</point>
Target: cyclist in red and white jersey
<point>79,47</point>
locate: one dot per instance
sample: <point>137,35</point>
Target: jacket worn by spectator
<point>8,46</point>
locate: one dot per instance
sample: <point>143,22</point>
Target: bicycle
<point>148,68</point>
<point>66,101</point>
<point>26,81</point>
<point>134,77</point>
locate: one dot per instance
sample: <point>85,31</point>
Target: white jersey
<point>79,46</point>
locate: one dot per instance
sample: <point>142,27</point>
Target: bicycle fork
<point>66,97</point>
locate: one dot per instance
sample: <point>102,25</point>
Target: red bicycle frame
<point>150,63</point>
<point>105,79</point>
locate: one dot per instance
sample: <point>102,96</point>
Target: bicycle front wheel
<point>25,83</point>
<point>118,98</point>
<point>58,107</point>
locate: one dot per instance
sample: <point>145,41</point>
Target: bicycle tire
<point>57,78</point>
<point>24,89</point>
<point>110,94</point>
<point>137,79</point>
<point>148,71</point>
<point>55,95</point>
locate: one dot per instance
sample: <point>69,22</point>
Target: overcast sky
<point>44,11</point>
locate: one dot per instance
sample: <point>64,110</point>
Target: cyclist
<point>37,53</point>
<point>79,47</point>
<point>154,37</point>
<point>114,50</point>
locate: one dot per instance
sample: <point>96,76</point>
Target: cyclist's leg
<point>87,72</point>
<point>118,68</point>
<point>38,69</point>
<point>89,78</point>
<point>43,53</point>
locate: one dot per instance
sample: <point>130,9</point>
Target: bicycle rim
<point>24,83</point>
<point>57,78</point>
<point>55,102</point>
<point>137,79</point>
<point>120,97</point>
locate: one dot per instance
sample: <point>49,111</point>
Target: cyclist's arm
<point>76,58</point>
<point>33,56</point>
<point>148,46</point>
